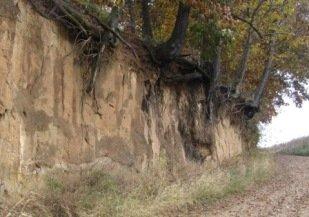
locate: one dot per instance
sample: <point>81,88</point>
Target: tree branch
<point>249,23</point>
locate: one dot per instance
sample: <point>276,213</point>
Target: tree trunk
<point>216,69</point>
<point>243,63</point>
<point>217,64</point>
<point>132,15</point>
<point>246,50</point>
<point>146,25</point>
<point>170,49</point>
<point>214,80</point>
<point>267,71</point>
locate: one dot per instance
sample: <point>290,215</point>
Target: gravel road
<point>286,195</point>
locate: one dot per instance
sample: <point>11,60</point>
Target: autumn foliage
<point>257,50</point>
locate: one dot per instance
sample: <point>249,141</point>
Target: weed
<point>151,193</point>
<point>54,185</point>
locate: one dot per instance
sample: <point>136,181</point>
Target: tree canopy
<point>257,49</point>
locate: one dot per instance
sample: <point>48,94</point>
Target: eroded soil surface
<point>286,195</point>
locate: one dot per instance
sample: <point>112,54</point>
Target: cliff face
<point>46,121</point>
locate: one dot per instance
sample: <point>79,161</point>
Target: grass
<point>302,150</point>
<point>151,193</point>
<point>298,147</point>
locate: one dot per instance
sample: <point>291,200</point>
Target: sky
<point>290,123</point>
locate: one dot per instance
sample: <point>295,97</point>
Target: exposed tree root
<point>96,33</point>
<point>95,71</point>
<point>87,26</point>
<point>195,76</point>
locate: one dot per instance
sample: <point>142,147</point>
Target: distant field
<point>298,147</point>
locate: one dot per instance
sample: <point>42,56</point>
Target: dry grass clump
<point>151,193</point>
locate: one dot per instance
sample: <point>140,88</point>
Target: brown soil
<point>287,194</point>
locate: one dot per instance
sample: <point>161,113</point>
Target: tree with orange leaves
<point>257,50</point>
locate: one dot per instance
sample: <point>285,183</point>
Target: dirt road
<point>285,195</point>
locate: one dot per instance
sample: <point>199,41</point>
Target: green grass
<point>302,150</point>
<point>54,185</point>
<point>299,146</point>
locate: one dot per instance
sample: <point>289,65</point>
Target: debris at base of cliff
<point>155,192</point>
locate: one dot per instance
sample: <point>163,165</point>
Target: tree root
<point>85,26</point>
<point>95,70</point>
<point>193,66</point>
<point>195,76</point>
